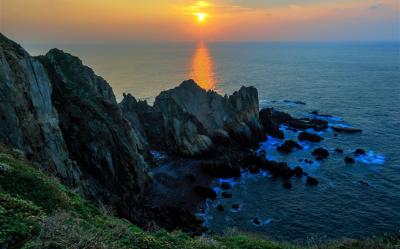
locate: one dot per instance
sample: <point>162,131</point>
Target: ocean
<point>358,83</point>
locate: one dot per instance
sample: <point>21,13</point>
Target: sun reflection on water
<point>202,69</point>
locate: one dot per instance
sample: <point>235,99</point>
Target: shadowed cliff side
<point>28,120</point>
<point>98,138</point>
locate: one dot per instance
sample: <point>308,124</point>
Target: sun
<point>201,17</point>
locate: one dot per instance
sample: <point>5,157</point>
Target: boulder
<point>320,153</point>
<point>288,146</point>
<point>312,180</point>
<point>359,152</point>
<point>256,221</point>
<point>298,171</point>
<point>311,137</point>
<point>226,194</point>
<point>349,160</point>
<point>220,208</point>
<point>287,185</point>
<point>226,185</point>
<point>205,192</point>
<point>346,129</point>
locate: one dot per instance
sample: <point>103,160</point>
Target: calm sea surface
<point>358,83</point>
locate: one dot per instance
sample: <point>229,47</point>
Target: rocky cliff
<point>190,121</point>
<point>62,115</point>
<point>98,138</point>
<point>28,120</point>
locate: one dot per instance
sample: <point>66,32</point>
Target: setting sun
<point>201,17</point>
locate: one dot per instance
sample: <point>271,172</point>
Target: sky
<point>82,21</point>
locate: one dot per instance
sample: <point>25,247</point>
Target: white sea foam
<point>371,157</point>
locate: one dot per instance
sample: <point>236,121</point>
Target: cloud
<point>377,6</point>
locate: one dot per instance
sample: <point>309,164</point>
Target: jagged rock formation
<point>189,120</point>
<point>28,120</point>
<point>66,118</point>
<point>98,138</point>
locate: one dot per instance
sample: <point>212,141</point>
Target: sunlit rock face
<point>98,137</point>
<point>28,120</point>
<point>187,119</point>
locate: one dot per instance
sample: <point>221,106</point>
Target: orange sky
<point>176,20</point>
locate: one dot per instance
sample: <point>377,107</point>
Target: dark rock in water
<point>235,206</point>
<point>349,160</point>
<point>269,125</point>
<point>256,221</point>
<point>220,168</point>
<point>363,183</point>
<point>321,115</point>
<point>191,177</point>
<point>298,171</point>
<point>320,153</point>
<point>288,146</point>
<point>301,124</point>
<point>359,152</point>
<point>346,129</point>
<point>253,169</point>
<point>226,185</point>
<point>287,185</point>
<point>226,195</point>
<point>306,136</point>
<point>338,150</point>
<point>294,102</point>
<point>312,180</point>
<point>220,208</point>
<point>335,134</point>
<point>205,192</point>
<point>279,169</point>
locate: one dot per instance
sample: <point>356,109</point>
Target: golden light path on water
<point>202,68</point>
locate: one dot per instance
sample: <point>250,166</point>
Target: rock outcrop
<point>98,137</point>
<point>28,120</point>
<point>190,121</point>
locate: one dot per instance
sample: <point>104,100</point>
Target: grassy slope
<point>38,212</point>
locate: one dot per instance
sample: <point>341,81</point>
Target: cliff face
<point>28,120</point>
<point>191,120</point>
<point>63,116</point>
<point>98,138</point>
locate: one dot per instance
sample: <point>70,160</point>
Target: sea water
<point>358,83</point>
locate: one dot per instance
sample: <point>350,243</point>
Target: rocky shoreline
<point>66,118</point>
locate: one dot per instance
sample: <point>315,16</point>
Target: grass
<point>36,211</point>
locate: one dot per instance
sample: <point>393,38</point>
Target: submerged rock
<point>349,160</point>
<point>320,153</point>
<point>288,146</point>
<point>226,194</point>
<point>226,185</point>
<point>346,129</point>
<point>220,208</point>
<point>298,171</point>
<point>306,136</point>
<point>338,150</point>
<point>359,152</point>
<point>312,180</point>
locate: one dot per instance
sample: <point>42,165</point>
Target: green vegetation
<point>36,211</point>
